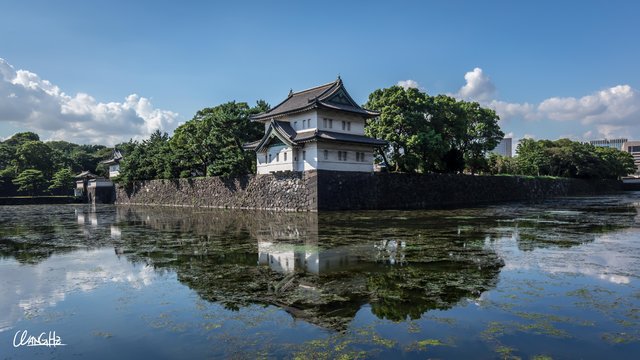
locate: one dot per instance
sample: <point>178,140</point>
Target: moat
<point>558,279</point>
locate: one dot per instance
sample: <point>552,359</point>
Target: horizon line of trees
<point>424,134</point>
<point>563,158</point>
<point>31,166</point>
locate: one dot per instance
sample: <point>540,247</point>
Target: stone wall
<point>335,190</point>
<point>287,191</point>
<point>353,191</point>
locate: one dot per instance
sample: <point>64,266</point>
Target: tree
<point>617,163</point>
<point>35,155</point>
<point>62,181</point>
<point>150,159</point>
<point>482,134</point>
<point>498,164</point>
<point>428,133</point>
<point>574,159</point>
<point>30,181</point>
<point>530,157</point>
<point>20,138</point>
<point>210,144</point>
<point>404,123</point>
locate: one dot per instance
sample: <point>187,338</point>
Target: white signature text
<point>50,339</point>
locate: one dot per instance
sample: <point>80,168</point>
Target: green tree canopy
<point>62,181</point>
<point>147,160</point>
<point>31,181</point>
<point>566,158</point>
<point>211,143</point>
<point>428,133</point>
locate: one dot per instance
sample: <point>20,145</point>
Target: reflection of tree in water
<point>318,267</point>
<point>32,233</point>
<point>309,272</point>
<point>569,222</point>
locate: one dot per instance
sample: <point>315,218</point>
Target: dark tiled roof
<point>86,174</point>
<point>340,137</point>
<point>329,96</point>
<point>116,156</point>
<point>290,136</point>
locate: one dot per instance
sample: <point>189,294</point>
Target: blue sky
<point>104,72</point>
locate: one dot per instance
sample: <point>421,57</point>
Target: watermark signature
<point>48,339</point>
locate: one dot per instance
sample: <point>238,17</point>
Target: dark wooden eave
<point>284,131</point>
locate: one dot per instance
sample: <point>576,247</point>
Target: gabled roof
<point>283,131</point>
<point>86,174</point>
<point>332,96</point>
<point>116,156</point>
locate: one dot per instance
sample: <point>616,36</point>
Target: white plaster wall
<point>297,121</point>
<point>333,162</point>
<point>277,163</point>
<point>357,122</point>
<point>311,160</point>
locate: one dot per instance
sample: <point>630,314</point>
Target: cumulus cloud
<point>610,112</point>
<point>478,87</point>
<point>408,84</point>
<point>615,105</point>
<point>29,101</point>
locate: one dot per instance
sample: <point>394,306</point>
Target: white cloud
<point>610,112</point>
<point>478,87</point>
<point>609,106</point>
<point>29,101</point>
<point>408,84</point>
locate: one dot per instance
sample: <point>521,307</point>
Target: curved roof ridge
<point>314,88</point>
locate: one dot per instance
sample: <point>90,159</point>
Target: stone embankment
<point>331,190</point>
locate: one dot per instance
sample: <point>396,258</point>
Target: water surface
<point>557,279</point>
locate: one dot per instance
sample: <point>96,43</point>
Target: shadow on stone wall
<point>333,190</point>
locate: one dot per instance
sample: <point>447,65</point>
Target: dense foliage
<point>28,165</point>
<point>425,134</point>
<point>564,158</point>
<point>432,133</point>
<point>210,144</point>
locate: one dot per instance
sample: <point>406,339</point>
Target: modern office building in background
<point>503,148</point>
<point>613,143</point>
<point>633,147</point>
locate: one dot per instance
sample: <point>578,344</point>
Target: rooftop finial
<point>339,78</point>
<point>290,92</point>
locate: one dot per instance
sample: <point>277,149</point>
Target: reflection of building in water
<point>299,251</point>
<point>318,267</point>
<point>95,220</point>
<point>309,257</point>
<point>116,233</point>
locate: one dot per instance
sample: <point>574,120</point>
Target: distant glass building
<point>612,143</point>
<point>633,147</point>
<point>503,148</point>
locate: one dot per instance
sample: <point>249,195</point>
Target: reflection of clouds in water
<point>610,257</point>
<point>32,288</point>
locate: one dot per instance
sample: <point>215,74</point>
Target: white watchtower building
<point>321,128</point>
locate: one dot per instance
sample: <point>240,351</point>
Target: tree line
<point>30,166</point>
<point>210,144</point>
<point>563,158</point>
<point>424,134</point>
